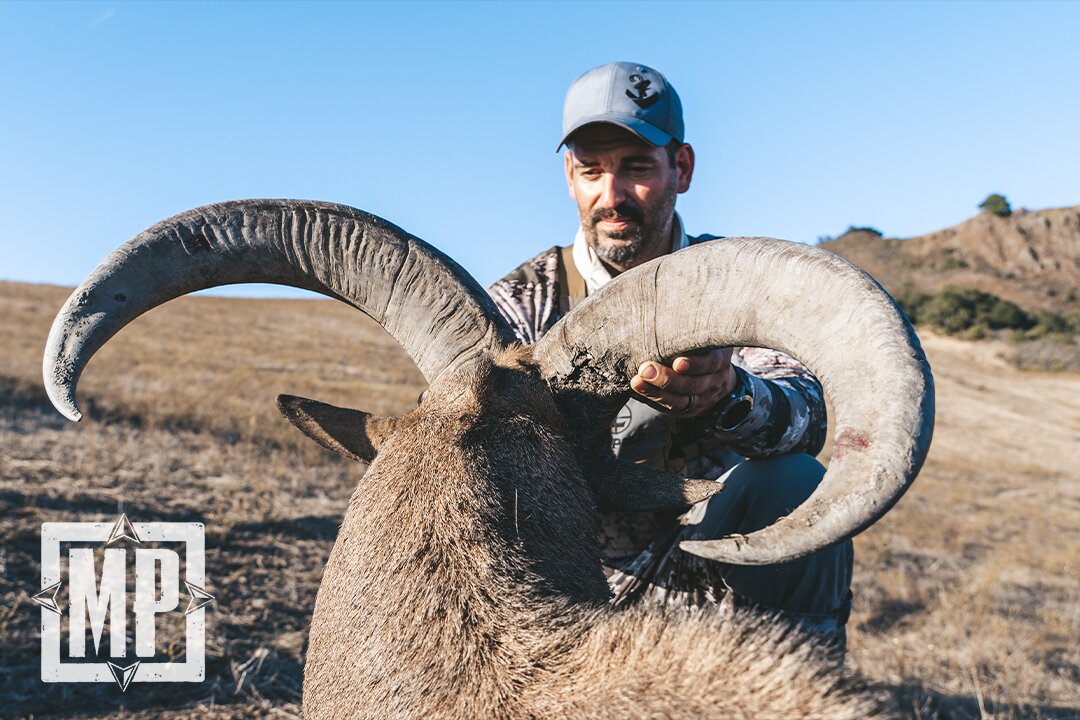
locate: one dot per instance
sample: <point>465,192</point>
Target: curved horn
<point>424,299</point>
<point>801,300</point>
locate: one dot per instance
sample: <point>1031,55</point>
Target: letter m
<point>86,599</point>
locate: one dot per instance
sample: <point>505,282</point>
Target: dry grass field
<point>967,595</point>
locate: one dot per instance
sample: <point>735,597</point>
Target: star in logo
<point>49,603</point>
<point>123,530</point>
<point>199,598</point>
<point>124,675</point>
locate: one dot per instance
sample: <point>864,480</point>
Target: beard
<point>622,247</point>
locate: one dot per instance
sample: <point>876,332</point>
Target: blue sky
<point>443,117</point>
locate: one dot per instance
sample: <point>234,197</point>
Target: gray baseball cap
<point>626,94</point>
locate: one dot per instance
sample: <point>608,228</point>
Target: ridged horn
<point>424,299</point>
<point>804,301</point>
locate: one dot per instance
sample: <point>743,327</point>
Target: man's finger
<point>662,399</point>
<point>667,380</point>
<point>704,364</point>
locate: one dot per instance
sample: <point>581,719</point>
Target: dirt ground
<point>967,594</point>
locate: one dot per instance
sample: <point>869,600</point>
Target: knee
<point>783,482</point>
<point>757,492</point>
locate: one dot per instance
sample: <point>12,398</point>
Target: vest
<point>639,433</point>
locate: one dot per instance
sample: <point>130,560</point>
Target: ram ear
<point>621,486</point>
<point>352,433</point>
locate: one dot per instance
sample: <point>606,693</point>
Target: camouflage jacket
<point>788,414</point>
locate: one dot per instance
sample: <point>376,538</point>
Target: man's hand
<point>691,386</point>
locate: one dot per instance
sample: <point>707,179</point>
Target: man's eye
<point>591,172</point>
<point>640,169</point>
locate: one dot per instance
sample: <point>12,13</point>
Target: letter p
<point>147,602</point>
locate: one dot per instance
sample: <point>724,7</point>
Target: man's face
<point>625,191</point>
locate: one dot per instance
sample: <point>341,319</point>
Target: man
<point>754,417</point>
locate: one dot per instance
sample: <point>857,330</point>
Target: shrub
<point>952,310</point>
<point>978,331</point>
<point>996,204</point>
<point>862,229</point>
<point>955,309</point>
<point>974,314</point>
<point>1051,323</point>
<point>1004,314</point>
<point>911,304</point>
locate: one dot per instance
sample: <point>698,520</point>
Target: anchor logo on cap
<point>642,99</point>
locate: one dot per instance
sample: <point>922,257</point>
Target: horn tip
<point>735,550</point>
<point>62,397</point>
<point>67,408</point>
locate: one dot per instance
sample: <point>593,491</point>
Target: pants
<point>814,591</point>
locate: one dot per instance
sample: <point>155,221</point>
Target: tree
<point>862,229</point>
<point>996,204</point>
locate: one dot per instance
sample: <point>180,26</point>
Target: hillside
<point>1031,258</point>
<point>967,594</point>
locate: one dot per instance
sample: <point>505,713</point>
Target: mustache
<point>624,210</point>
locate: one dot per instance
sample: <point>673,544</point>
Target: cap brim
<point>647,132</point>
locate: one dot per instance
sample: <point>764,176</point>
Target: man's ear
<point>569,158</point>
<point>621,486</point>
<point>352,433</point>
<point>684,167</point>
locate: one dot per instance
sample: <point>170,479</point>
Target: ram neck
<point>451,577</point>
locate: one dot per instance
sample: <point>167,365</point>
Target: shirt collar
<point>594,272</point>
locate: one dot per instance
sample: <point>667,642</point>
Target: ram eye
<point>420,398</point>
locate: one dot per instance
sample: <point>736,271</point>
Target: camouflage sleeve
<point>788,415</point>
<point>529,296</point>
<point>789,406</point>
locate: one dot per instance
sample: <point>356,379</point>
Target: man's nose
<point>611,192</point>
